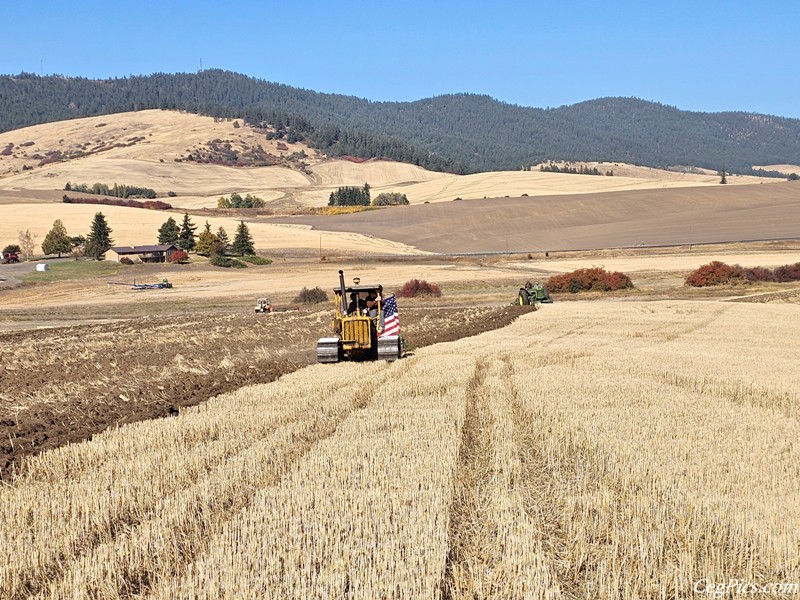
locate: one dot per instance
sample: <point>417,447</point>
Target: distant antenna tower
<point>201,66</point>
<point>41,67</point>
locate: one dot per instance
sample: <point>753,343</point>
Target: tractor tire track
<point>473,471</point>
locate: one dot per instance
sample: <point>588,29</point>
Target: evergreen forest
<point>459,133</point>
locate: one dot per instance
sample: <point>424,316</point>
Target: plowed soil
<point>659,217</point>
<point>67,384</point>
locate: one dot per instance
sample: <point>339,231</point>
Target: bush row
<point>718,273</point>
<point>416,287</point>
<point>595,279</point>
<point>149,204</point>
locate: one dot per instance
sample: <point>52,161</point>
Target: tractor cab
<point>263,305</point>
<point>359,300</point>
<point>358,325</point>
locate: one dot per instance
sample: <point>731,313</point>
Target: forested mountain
<point>460,133</point>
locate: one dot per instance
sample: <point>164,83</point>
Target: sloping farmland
<point>659,217</point>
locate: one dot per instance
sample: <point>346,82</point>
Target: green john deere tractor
<point>533,294</point>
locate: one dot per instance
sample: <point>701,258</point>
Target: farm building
<point>146,254</point>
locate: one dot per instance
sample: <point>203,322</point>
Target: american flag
<point>391,319</point>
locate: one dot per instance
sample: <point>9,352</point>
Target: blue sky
<point>704,56</point>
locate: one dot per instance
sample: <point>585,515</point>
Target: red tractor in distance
<point>9,258</point>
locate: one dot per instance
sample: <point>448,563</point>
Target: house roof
<point>144,249</point>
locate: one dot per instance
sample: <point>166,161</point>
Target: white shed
<point>42,267</point>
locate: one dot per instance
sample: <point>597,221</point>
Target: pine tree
<point>243,241</point>
<point>168,232</point>
<point>186,236</point>
<point>99,239</point>
<point>57,241</point>
<point>224,240</point>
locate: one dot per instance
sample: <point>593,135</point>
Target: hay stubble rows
<point>571,454</point>
<point>621,448</point>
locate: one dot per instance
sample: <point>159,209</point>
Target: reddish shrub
<point>596,279</point>
<point>416,287</point>
<point>759,274</point>
<point>152,204</point>
<point>311,296</point>
<point>179,256</point>
<point>716,273</point>
<point>788,273</point>
<point>149,204</point>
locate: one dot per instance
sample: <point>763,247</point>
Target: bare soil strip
<point>64,385</point>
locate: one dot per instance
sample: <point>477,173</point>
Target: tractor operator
<point>372,302</point>
<point>357,305</point>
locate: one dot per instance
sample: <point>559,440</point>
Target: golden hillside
<point>185,153</point>
<point>190,157</point>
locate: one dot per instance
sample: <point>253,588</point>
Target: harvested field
<point>134,226</point>
<point>660,217</point>
<point>65,384</point>
<point>590,449</point>
<point>614,446</point>
<point>559,211</point>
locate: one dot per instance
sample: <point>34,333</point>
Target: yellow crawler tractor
<point>365,328</point>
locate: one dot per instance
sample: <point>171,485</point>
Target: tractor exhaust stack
<point>344,293</point>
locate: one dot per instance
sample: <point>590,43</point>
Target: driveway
<point>10,274</point>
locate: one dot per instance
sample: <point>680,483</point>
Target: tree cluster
<point>390,199</point>
<point>180,235</point>
<point>237,201</point>
<point>582,170</point>
<point>116,190</point>
<point>350,196</point>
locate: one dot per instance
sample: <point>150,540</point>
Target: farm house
<point>146,254</point>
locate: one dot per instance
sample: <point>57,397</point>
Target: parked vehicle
<point>9,258</point>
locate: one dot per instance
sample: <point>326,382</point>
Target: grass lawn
<point>69,269</point>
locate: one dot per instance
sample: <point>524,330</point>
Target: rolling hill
<point>173,152</point>
<point>457,133</point>
<point>653,217</point>
<point>517,211</point>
